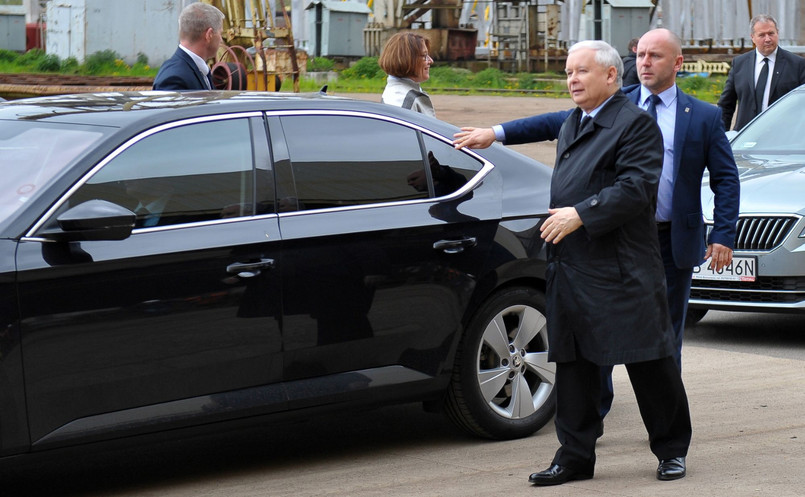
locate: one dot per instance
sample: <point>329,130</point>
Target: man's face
<point>765,37</point>
<point>589,83</point>
<point>658,61</point>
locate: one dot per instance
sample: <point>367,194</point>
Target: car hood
<point>770,184</point>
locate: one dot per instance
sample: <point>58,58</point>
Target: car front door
<point>179,321</point>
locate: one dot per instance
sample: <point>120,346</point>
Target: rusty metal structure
<point>259,50</point>
<point>449,39</point>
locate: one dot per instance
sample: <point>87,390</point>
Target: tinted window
<point>450,168</point>
<point>185,174</point>
<point>342,160</point>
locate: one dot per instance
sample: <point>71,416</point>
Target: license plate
<point>740,269</point>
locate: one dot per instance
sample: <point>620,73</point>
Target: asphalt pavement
<point>744,375</point>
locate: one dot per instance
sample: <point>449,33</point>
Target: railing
<point>708,67</point>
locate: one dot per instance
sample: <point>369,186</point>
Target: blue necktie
<point>653,101</point>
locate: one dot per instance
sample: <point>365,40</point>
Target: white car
<point>768,269</point>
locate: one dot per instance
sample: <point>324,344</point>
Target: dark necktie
<point>210,84</point>
<point>653,101</point>
<point>760,86</point>
<point>584,121</point>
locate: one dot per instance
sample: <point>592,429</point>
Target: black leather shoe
<point>556,475</point>
<point>671,469</point>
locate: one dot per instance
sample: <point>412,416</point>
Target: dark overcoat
<point>606,283</point>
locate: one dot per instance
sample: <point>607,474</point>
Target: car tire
<point>693,316</point>
<point>502,382</point>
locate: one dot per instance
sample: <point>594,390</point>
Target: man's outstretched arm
<point>544,127</point>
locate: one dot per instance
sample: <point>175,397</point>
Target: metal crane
<point>258,50</point>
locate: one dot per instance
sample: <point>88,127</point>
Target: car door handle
<point>455,246</point>
<point>249,269</point>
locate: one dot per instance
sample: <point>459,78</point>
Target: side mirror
<point>93,220</point>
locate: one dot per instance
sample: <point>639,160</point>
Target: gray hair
<point>605,55</point>
<point>761,18</point>
<point>196,18</point>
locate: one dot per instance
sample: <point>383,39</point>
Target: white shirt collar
<point>595,111</point>
<point>667,96</point>
<point>759,57</point>
<point>200,63</point>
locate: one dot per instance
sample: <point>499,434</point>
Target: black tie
<point>760,87</point>
<point>584,121</point>
<point>653,100</point>
<point>210,82</point>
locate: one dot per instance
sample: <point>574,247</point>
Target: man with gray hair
<point>606,299</point>
<point>760,77</point>
<point>200,35</point>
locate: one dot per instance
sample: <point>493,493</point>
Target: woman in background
<point>406,60</point>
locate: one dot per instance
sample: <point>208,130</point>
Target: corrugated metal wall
<point>78,28</point>
<point>727,21</point>
<point>697,22</point>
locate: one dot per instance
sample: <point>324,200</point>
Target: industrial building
<point>523,35</point>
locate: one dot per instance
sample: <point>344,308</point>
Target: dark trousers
<point>677,282</point>
<point>660,396</point>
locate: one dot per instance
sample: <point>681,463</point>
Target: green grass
<point>104,63</point>
<point>364,76</point>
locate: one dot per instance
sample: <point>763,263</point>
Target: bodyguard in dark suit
<point>200,31</point>
<point>760,77</point>
<point>606,300</point>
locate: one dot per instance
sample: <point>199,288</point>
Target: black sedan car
<point>172,260</point>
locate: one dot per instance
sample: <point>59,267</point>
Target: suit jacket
<point>180,73</point>
<point>699,143</point>
<point>789,73</point>
<point>606,281</point>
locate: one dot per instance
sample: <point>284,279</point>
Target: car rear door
<point>176,323</point>
<point>380,257</point>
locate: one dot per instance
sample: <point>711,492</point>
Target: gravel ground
<point>464,110</point>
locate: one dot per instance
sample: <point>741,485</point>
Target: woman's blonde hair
<point>402,54</point>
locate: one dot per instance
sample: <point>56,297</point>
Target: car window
<point>189,173</point>
<point>340,161</point>
<point>779,129</point>
<point>450,168</point>
<point>31,154</point>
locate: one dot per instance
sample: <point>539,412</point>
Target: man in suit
<point>200,35</point>
<point>758,78</point>
<point>605,295</point>
<point>694,140</point>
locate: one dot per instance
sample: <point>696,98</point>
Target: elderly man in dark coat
<point>606,282</point>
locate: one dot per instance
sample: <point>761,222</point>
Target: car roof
<point>121,109</point>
